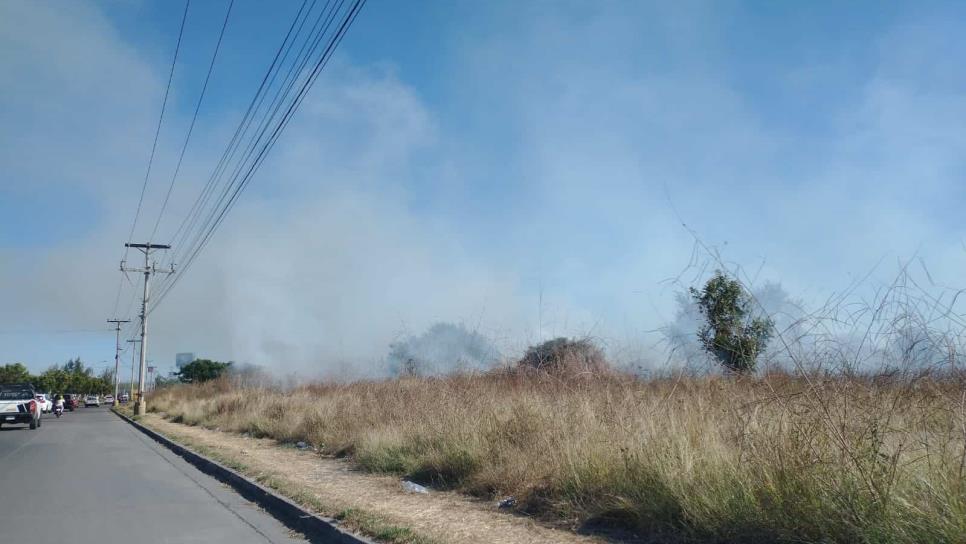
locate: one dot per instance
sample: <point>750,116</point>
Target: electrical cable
<point>194,118</point>
<point>154,146</point>
<point>267,81</point>
<point>157,132</point>
<point>237,185</point>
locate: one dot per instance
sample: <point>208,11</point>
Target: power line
<point>130,327</point>
<point>154,146</point>
<point>53,331</point>
<point>297,66</point>
<point>157,132</point>
<point>196,210</point>
<point>194,118</point>
<point>117,298</point>
<point>247,166</point>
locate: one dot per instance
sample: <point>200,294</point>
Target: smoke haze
<point>531,180</point>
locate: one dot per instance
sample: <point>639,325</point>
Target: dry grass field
<point>697,459</point>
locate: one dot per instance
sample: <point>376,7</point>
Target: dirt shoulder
<point>376,505</point>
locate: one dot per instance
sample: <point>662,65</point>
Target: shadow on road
<point>45,419</point>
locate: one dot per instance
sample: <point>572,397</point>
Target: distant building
<point>182,359</point>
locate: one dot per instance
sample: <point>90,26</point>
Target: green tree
<point>54,380</point>
<point>76,367</point>
<point>14,373</point>
<point>201,370</point>
<point>730,333</point>
<point>74,377</point>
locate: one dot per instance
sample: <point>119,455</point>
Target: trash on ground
<point>413,487</point>
<point>301,445</point>
<point>508,502</point>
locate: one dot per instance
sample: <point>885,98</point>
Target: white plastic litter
<point>413,487</point>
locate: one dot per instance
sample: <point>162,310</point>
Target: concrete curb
<point>316,529</point>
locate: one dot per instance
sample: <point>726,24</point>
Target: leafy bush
<point>565,355</point>
<point>202,370</point>
<point>730,333</point>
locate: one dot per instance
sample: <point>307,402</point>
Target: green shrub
<point>731,334</point>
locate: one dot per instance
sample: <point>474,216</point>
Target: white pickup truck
<point>19,406</point>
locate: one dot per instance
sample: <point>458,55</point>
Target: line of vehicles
<point>21,404</point>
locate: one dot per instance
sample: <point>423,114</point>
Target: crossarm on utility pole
<point>148,246</point>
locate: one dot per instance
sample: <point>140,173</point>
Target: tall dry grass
<point>711,459</point>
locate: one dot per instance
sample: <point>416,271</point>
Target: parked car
<point>109,399</point>
<point>70,402</point>
<point>19,405</point>
<point>92,400</point>
<point>46,405</point>
<point>123,398</point>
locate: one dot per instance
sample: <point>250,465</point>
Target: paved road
<point>89,477</point>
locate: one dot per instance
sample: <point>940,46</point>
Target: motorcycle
<point>59,411</point>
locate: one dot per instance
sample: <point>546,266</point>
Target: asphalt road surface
<point>89,477</point>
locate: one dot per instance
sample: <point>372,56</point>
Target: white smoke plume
<point>442,349</point>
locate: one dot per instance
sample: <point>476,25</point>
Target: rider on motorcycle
<point>59,405</point>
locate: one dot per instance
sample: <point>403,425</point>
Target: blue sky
<point>522,168</point>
